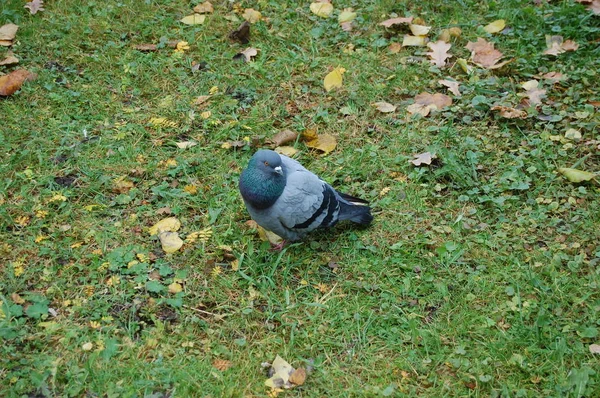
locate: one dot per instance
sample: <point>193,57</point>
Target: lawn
<point>479,276</point>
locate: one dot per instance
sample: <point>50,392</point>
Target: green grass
<point>479,276</point>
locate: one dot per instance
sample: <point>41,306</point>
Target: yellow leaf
<point>268,236</point>
<point>286,150</point>
<point>281,370</point>
<point>87,346</point>
<point>169,224</point>
<point>419,30</point>
<point>206,114</point>
<point>191,189</point>
<point>170,241</point>
<point>251,15</point>
<point>213,90</point>
<point>323,10</point>
<point>235,265</point>
<point>333,78</point>
<point>575,175</point>
<point>346,16</point>
<point>495,27</point>
<point>325,143</point>
<point>40,238</point>
<point>417,41</point>
<point>175,288</point>
<point>194,19</point>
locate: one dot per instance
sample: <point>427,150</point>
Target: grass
<point>479,276</point>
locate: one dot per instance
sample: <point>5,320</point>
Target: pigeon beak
<point>278,170</point>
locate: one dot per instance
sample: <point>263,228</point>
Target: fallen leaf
<point>122,185</point>
<point>194,19</point>
<point>12,82</point>
<point>170,241</point>
<point>251,15</point>
<point>452,86</point>
<point>169,224</point>
<point>286,150</point>
<point>268,236</point>
<point>384,107</point>
<point>186,144</point>
<point>423,158</point>
<point>348,15</point>
<point>433,101</point>
<point>439,53</point>
<point>554,77</point>
<point>281,374</point>
<point>485,55</point>
<point>200,100</point>
<point>87,346</point>
<point>16,298</point>
<point>204,8</point>
<point>594,348</point>
<point>246,55</point>
<point>334,79</point>
<point>325,142</point>
<point>283,137</point>
<point>574,175</point>
<point>416,41</point>
<point>570,45</point>
<point>242,33</point>
<point>34,6</point>
<point>396,21</point>
<point>495,27</point>
<point>162,122</point>
<point>455,31</point>
<point>323,10</point>
<point>8,33</point>
<point>9,60</point>
<point>145,47</point>
<point>346,26</point>
<point>573,135</point>
<point>222,364</point>
<point>509,113</point>
<point>298,376</point>
<point>234,144</point>
<point>175,288</point>
<point>419,30</point>
<point>556,45</point>
<point>395,48</point>
<point>533,92</point>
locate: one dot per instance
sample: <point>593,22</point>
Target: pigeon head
<point>263,181</point>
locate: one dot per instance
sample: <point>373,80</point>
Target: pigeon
<point>290,201</point>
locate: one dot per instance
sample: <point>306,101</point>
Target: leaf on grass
<point>34,6</point>
<point>384,107</point>
<point>554,77</point>
<point>298,376</point>
<point>485,55</point>
<point>12,82</point>
<point>200,100</point>
<point>395,48</point>
<point>145,47</point>
<point>348,15</point>
<point>346,26</point>
<point>284,375</point>
<point>194,19</point>
<point>174,288</point>
<point>557,46</point>
<point>325,142</point>
<point>396,21</point>
<point>452,86</point>
<point>495,27</point>
<point>234,144</point>
<point>423,158</point>
<point>334,79</point>
<point>169,224</point>
<point>186,144</point>
<point>419,30</point>
<point>439,53</point>
<point>284,136</point>
<point>222,364</point>
<point>323,10</point>
<point>251,15</point>
<point>8,33</point>
<point>9,60</point>
<point>573,135</point>
<point>533,92</point>
<point>246,55</point>
<point>286,150</point>
<point>594,348</point>
<point>415,41</point>
<point>509,113</point>
<point>170,241</point>
<point>122,185</point>
<point>242,33</point>
<point>426,102</point>
<point>268,236</point>
<point>204,8</point>
<point>574,175</point>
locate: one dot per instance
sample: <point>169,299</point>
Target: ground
<point>478,277</point>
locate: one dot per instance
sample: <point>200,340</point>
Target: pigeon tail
<point>360,214</point>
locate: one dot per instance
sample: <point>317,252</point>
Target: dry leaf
<point>204,8</point>
<point>554,77</point>
<point>170,241</point>
<point>533,92</point>
<point>202,99</point>
<point>251,15</point>
<point>34,6</point>
<point>346,26</point>
<point>8,32</point>
<point>145,47</point>
<point>495,27</point>
<point>419,30</point>
<point>122,185</point>
<point>575,175</point>
<point>323,10</point>
<point>283,137</point>
<point>439,53</point>
<point>396,21</point>
<point>485,55</point>
<point>169,224</point>
<point>286,150</point>
<point>439,100</point>
<point>186,144</point>
<point>348,15</point>
<point>12,82</point>
<point>557,46</point>
<point>509,113</point>
<point>423,158</point>
<point>594,348</point>
<point>9,60</point>
<point>395,48</point>
<point>573,135</point>
<point>16,298</point>
<point>194,19</point>
<point>325,143</point>
<point>281,374</point>
<point>242,33</point>
<point>384,107</point>
<point>222,364</point>
<point>175,288</point>
<point>334,79</point>
<point>246,55</point>
<point>455,31</point>
<point>298,376</point>
<point>417,41</point>
<point>268,236</point>
<point>452,86</point>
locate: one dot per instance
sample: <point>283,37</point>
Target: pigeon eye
<point>266,163</point>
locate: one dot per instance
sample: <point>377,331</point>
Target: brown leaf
<point>16,298</point>
<point>204,8</point>
<point>202,99</point>
<point>452,86</point>
<point>557,46</point>
<point>34,6</point>
<point>485,55</point>
<point>163,210</point>
<point>423,158</point>
<point>9,60</point>
<point>283,137</point>
<point>222,364</point>
<point>395,47</point>
<point>439,100</point>
<point>509,113</point>
<point>122,185</point>
<point>251,15</point>
<point>554,77</point>
<point>384,107</point>
<point>8,33</point>
<point>246,55</point>
<point>396,21</point>
<point>14,80</point>
<point>347,26</point>
<point>242,33</point>
<point>439,53</point>
<point>533,92</point>
<point>298,376</point>
<point>147,47</point>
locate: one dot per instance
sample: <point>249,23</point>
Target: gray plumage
<point>285,198</point>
